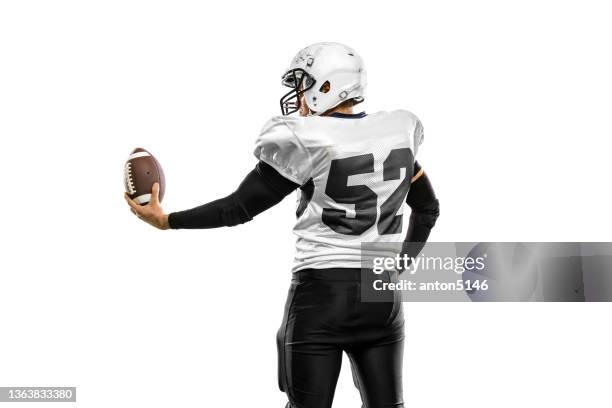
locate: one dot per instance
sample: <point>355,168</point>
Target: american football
<point>141,171</point>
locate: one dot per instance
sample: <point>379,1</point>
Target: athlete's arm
<point>261,189</point>
<point>425,211</point>
<point>425,206</point>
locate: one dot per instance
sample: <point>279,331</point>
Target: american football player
<point>352,172</point>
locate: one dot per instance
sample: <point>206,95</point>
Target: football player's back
<point>355,172</point>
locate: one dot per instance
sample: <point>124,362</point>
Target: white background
<point>515,99</point>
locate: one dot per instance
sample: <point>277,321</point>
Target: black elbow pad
<point>426,214</point>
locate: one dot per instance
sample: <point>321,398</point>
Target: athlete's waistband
<point>337,274</point>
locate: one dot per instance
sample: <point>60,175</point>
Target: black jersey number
<point>363,198</point>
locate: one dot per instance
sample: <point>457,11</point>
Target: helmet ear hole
<point>325,87</point>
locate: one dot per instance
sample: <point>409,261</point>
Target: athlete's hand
<point>151,213</point>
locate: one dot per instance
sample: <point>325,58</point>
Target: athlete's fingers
<point>155,194</point>
<point>134,206</point>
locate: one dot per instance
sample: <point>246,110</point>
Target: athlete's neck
<point>346,110</point>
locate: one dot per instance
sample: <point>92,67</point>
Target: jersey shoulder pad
<point>413,125</point>
<point>279,146</point>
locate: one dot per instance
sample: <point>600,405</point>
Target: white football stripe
<point>138,154</point>
<point>143,199</point>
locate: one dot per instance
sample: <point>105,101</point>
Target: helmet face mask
<point>299,81</point>
<point>336,70</point>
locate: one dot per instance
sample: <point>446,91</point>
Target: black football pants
<point>324,317</point>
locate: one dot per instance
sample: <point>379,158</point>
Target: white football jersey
<point>355,173</point>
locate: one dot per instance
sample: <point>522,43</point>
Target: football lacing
<point>129,182</point>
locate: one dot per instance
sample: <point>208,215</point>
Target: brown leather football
<point>142,170</point>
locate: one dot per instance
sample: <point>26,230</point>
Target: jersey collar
<point>348,115</point>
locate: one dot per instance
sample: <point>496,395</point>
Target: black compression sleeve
<point>425,211</point>
<point>261,189</point>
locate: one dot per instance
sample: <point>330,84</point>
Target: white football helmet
<point>327,74</point>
